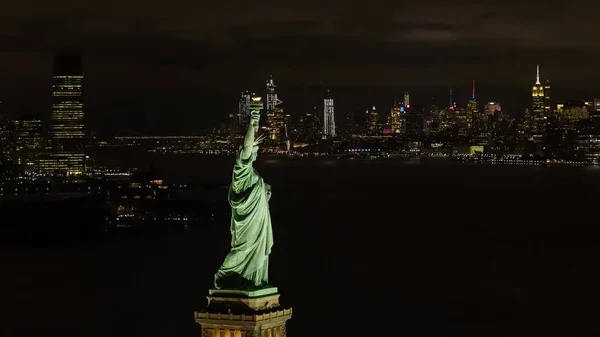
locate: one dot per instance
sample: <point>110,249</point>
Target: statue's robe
<point>247,263</point>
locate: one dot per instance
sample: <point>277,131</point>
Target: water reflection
<point>272,161</point>
<point>433,246</point>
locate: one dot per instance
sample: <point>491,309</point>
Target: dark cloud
<point>534,22</point>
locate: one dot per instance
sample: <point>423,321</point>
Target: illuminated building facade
<point>372,121</point>
<point>491,107</point>
<point>277,129</point>
<point>28,133</point>
<point>572,114</point>
<point>7,144</point>
<point>476,123</point>
<point>271,96</point>
<point>500,132</point>
<point>451,103</point>
<point>232,315</point>
<point>309,128</point>
<point>238,122</point>
<point>394,119</point>
<point>28,140</point>
<point>490,118</point>
<point>287,122</point>
<point>243,108</point>
<point>539,118</point>
<point>406,100</point>
<point>275,114</point>
<point>462,120</point>
<point>328,116</point>
<point>595,113</point>
<point>435,119</point>
<point>573,124</point>
<point>67,130</point>
<point>234,130</point>
<point>526,123</point>
<point>414,122</point>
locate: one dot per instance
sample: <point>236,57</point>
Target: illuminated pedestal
<point>237,313</point>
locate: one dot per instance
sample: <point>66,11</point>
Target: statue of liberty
<point>247,264</point>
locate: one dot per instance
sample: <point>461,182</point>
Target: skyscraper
<point>271,96</point>
<point>310,127</point>
<point>275,115</point>
<point>233,130</point>
<point>243,109</point>
<point>7,144</point>
<point>406,100</point>
<point>372,122</point>
<point>238,122</point>
<point>451,103</point>
<point>595,114</point>
<point>328,116</point>
<point>28,140</point>
<point>67,130</point>
<point>394,120</point>
<point>475,121</point>
<point>537,110</point>
<point>28,132</point>
<point>538,93</point>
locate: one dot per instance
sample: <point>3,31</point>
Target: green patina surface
<point>247,264</point>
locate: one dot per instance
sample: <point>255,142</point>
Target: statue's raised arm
<point>246,265</point>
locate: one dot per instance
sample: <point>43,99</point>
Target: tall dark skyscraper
<point>67,130</point>
<point>7,143</point>
<point>27,140</point>
<point>28,132</point>
<point>309,129</point>
<point>476,123</point>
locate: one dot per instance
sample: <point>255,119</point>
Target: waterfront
<point>422,248</point>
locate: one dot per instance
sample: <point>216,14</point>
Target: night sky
<point>178,66</point>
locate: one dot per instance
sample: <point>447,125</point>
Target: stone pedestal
<point>238,313</point>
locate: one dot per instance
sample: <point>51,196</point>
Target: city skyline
<point>188,61</point>
<point>198,168</point>
<point>141,114</point>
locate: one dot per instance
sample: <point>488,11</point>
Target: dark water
<point>361,248</point>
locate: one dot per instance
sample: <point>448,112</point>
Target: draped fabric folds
<point>251,233</point>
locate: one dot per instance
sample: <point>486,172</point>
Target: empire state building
<point>539,118</point>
